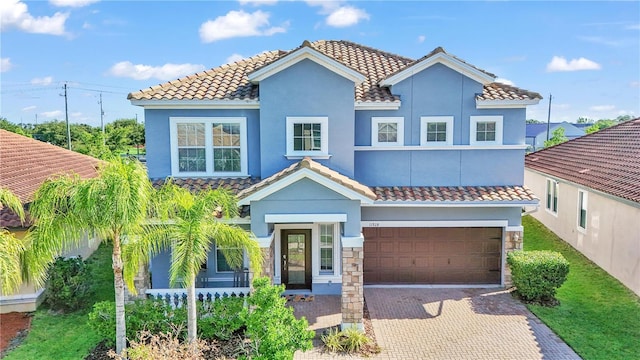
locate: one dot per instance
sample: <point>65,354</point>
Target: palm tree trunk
<point>192,325</point>
<point>118,281</point>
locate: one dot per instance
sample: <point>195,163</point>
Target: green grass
<point>598,316</point>
<point>68,336</point>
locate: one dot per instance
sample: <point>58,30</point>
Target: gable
<point>305,53</point>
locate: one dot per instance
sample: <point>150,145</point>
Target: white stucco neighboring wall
<point>612,235</point>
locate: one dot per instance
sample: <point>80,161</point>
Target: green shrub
<point>537,274</point>
<point>272,325</point>
<point>67,287</point>
<point>220,319</point>
<point>350,340</point>
<point>143,315</point>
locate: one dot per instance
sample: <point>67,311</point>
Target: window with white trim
<point>436,130</point>
<point>486,130</point>
<point>307,136</point>
<point>208,146</point>
<point>552,196</point>
<point>387,131</point>
<point>326,248</point>
<point>582,209</point>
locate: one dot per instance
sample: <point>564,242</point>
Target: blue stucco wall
<point>157,137</point>
<point>305,197</point>
<point>306,89</point>
<point>511,214</point>
<point>440,91</point>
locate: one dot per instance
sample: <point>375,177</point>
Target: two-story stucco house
<point>357,166</point>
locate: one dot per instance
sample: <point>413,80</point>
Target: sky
<point>585,54</point>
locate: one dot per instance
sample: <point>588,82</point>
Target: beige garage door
<point>432,255</point>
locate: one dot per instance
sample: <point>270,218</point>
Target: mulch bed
<point>14,327</point>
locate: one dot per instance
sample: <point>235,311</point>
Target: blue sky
<point>587,54</point>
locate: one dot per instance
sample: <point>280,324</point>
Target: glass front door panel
<point>296,258</point>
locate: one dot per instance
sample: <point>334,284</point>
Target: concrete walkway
<point>443,324</point>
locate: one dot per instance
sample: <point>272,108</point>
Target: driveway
<point>443,324</point>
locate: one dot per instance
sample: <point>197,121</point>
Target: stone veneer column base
<point>352,290</point>
<point>142,282</point>
<point>513,242</point>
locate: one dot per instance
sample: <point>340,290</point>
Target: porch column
<point>266,245</point>
<point>142,282</point>
<point>512,242</point>
<point>352,282</point>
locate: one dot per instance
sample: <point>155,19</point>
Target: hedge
<point>537,274</point>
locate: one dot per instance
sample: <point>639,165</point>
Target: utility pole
<point>66,117</point>
<point>549,117</point>
<point>36,119</point>
<point>102,121</point>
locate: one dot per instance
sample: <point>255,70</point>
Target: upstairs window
<point>307,136</point>
<point>387,131</point>
<point>486,130</point>
<point>436,130</point>
<point>208,146</point>
<point>552,196</point>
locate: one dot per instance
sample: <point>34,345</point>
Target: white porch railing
<point>177,297</point>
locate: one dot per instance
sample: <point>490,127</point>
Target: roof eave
<point>300,54</point>
<point>487,203</point>
<point>505,104</point>
<point>196,104</point>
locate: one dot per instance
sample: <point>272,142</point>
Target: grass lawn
<point>67,336</point>
<point>598,316</point>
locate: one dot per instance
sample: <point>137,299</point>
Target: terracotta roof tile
<point>454,194</point>
<point>26,163</point>
<point>607,161</point>
<point>230,81</point>
<point>499,91</point>
<point>235,185</point>
<point>316,167</point>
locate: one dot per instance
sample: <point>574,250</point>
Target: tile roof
<point>320,169</point>
<point>234,185</point>
<point>26,163</point>
<point>230,81</point>
<point>607,161</point>
<point>454,193</point>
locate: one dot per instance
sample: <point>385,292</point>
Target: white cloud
<point>87,26</point>
<point>144,72</point>
<point>602,108</point>
<point>239,24</point>
<point>258,2</point>
<point>76,114</point>
<point>634,84</point>
<point>603,41</point>
<point>339,15</point>
<point>15,14</point>
<point>29,108</point>
<point>51,114</point>
<point>42,81</point>
<point>505,81</point>
<point>559,63</point>
<point>633,27</point>
<point>421,38</point>
<point>233,58</point>
<point>346,16</point>
<point>72,3</point>
<point>5,64</point>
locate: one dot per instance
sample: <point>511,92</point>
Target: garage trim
<point>436,223</point>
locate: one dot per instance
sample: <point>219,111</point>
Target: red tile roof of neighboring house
<point>26,163</point>
<point>607,161</point>
<point>454,193</point>
<point>320,169</point>
<point>230,81</point>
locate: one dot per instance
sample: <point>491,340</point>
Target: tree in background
<point>584,120</point>
<point>606,123</point>
<point>557,137</point>
<point>534,121</point>
<point>14,128</point>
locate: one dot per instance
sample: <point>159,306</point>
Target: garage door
<point>432,255</point>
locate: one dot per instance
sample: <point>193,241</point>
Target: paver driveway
<point>445,324</point>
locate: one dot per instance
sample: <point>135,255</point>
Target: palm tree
<point>191,230</point>
<point>11,248</point>
<point>113,205</point>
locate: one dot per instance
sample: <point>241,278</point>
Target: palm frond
<point>11,249</point>
<point>12,202</point>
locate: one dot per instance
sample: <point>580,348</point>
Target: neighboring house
<point>25,164</point>
<point>591,192</point>
<point>358,166</point>
<point>537,133</point>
